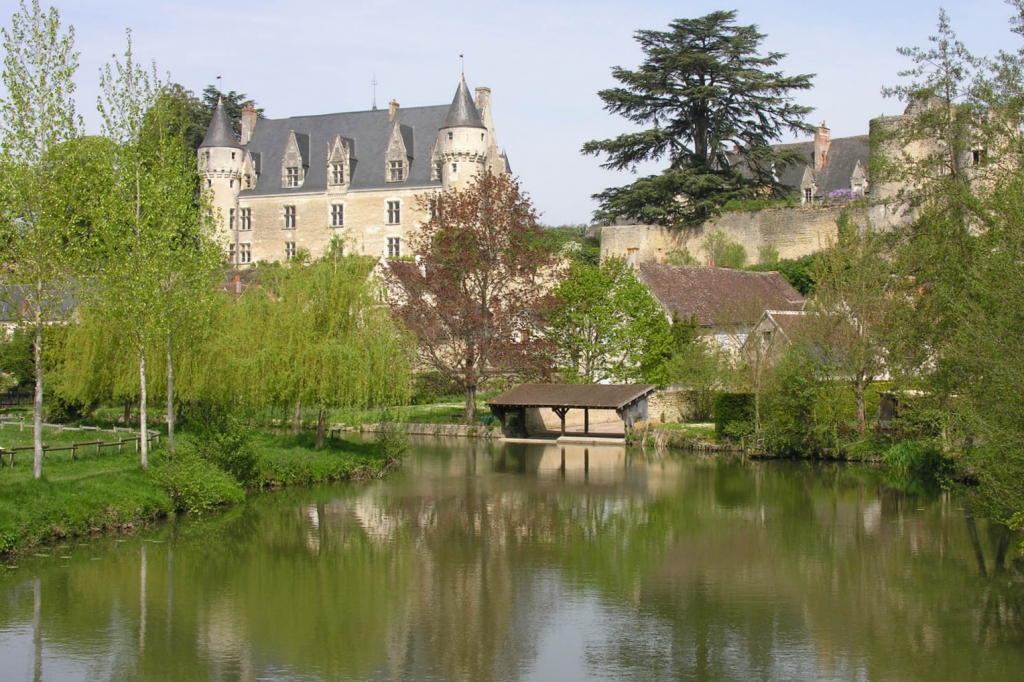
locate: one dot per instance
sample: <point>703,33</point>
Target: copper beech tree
<point>484,267</point>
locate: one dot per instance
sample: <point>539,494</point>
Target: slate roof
<point>595,397</point>
<point>463,112</point>
<point>220,133</point>
<point>718,296</point>
<point>842,158</point>
<point>370,131</point>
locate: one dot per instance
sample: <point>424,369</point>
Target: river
<point>482,561</point>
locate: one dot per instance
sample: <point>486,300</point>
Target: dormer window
<point>292,176</point>
<point>451,136</point>
<point>807,194</point>
<point>396,171</point>
<point>337,174</point>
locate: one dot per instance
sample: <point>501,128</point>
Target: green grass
<point>111,492</point>
<point>706,431</point>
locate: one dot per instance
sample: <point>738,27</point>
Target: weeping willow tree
<point>318,334</point>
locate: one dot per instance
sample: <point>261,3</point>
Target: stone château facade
<point>294,184</point>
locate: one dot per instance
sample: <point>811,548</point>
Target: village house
<point>727,304</point>
<point>294,184</point>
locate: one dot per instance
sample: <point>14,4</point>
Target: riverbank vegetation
<point>212,468</point>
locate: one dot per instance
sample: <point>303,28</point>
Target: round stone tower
<point>462,143</point>
<point>220,167</point>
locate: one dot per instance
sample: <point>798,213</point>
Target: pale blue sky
<point>544,61</point>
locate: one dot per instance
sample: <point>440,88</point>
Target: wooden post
<point>586,460</point>
<point>563,461</point>
<point>73,453</point>
<point>586,420</point>
<point>561,412</point>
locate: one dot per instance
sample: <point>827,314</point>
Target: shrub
<point>915,458</point>
<point>391,438</point>
<point>194,484</point>
<point>429,387</point>
<point>221,439</point>
<point>734,415</point>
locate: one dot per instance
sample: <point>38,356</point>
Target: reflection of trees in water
<point>727,570</point>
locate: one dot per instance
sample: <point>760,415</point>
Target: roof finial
<point>462,58</point>
<point>374,83</point>
<point>220,90</point>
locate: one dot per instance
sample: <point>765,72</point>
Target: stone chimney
<point>483,105</point>
<point>822,140</point>
<point>248,122</point>
<point>392,110</point>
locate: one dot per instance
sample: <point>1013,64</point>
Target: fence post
<point>97,448</point>
<point>73,446</point>
<point>120,442</point>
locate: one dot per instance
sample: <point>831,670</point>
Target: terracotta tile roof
<point>596,396</point>
<point>718,296</point>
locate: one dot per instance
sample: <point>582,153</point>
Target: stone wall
<point>794,232</point>
<point>544,419</point>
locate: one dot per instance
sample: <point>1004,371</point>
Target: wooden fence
<point>133,439</point>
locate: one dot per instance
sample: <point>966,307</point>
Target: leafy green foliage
<point>195,484</point>
<point>706,92</point>
<point>220,438</point>
<point>734,415</point>
<point>41,181</point>
<point>799,272</point>
<point>723,252</point>
<point>16,359</point>
<point>391,438</point>
<point>606,326</point>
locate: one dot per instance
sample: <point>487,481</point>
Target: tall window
<point>231,219</point>
<point>337,215</point>
<point>396,171</point>
<point>394,212</point>
<point>437,171</point>
<point>292,176</point>
<point>231,253</point>
<point>807,194</point>
<point>394,247</point>
<point>337,174</point>
<point>245,253</point>
<point>245,219</point>
<point>289,250</point>
<point>289,217</point>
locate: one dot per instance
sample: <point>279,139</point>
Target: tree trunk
<point>321,428</point>
<point>170,396</point>
<point>37,401</point>
<point>143,432</point>
<point>297,418</point>
<point>858,392</point>
<point>470,404</point>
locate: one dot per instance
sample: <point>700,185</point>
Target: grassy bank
<point>110,492</point>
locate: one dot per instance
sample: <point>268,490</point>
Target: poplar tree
<point>159,250</point>
<point>711,104</point>
<point>38,246</point>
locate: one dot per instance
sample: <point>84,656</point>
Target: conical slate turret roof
<point>220,133</point>
<point>463,112</point>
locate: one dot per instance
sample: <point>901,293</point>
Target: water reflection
<point>515,562</point>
